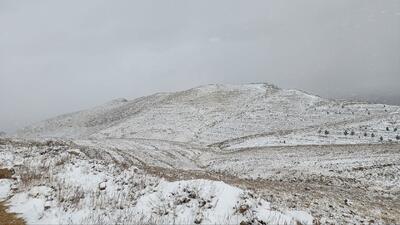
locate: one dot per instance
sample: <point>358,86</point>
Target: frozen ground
<point>63,183</point>
<point>214,154</point>
<point>328,184</point>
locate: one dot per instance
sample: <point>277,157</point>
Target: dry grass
<point>30,178</point>
<point>6,173</point>
<point>9,218</point>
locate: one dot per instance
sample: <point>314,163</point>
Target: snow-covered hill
<point>215,154</point>
<point>229,116</point>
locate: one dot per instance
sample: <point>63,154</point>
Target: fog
<point>63,56</point>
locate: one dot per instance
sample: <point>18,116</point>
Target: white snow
<point>239,116</point>
<point>100,176</point>
<point>30,205</point>
<point>182,202</point>
<point>5,188</point>
<point>81,175</point>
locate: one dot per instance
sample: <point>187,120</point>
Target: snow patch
<point>210,202</point>
<point>5,188</point>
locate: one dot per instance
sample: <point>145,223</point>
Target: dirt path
<point>7,218</point>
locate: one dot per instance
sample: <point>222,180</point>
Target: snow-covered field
<point>63,183</point>
<point>215,154</point>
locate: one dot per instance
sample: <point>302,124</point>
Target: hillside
<point>215,154</point>
<point>228,116</point>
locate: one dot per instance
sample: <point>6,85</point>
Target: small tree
<point>381,138</point>
<point>372,135</point>
<point>397,137</point>
<point>387,129</point>
<point>346,133</point>
<point>352,132</point>
<point>326,132</point>
<point>365,134</point>
<point>395,129</point>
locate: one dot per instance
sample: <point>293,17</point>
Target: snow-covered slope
<point>228,116</point>
<point>57,184</point>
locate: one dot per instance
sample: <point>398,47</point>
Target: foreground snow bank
<point>211,202</point>
<point>180,202</point>
<point>62,185</point>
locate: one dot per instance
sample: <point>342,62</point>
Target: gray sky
<point>62,56</point>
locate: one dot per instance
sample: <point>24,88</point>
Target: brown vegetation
<point>6,173</point>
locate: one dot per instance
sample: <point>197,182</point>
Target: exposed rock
<point>47,205</point>
<point>102,186</point>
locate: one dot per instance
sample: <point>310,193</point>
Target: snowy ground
<point>61,183</point>
<point>252,153</point>
<point>90,182</point>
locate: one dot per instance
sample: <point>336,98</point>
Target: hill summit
<point>222,115</point>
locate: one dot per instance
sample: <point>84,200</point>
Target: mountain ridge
<point>209,114</point>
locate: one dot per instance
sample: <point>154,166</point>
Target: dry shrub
<point>60,161</point>
<point>31,176</point>
<point>75,197</point>
<point>242,209</point>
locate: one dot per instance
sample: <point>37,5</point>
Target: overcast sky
<point>63,56</point>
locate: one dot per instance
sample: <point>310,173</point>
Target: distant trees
<point>364,133</point>
<point>351,133</point>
